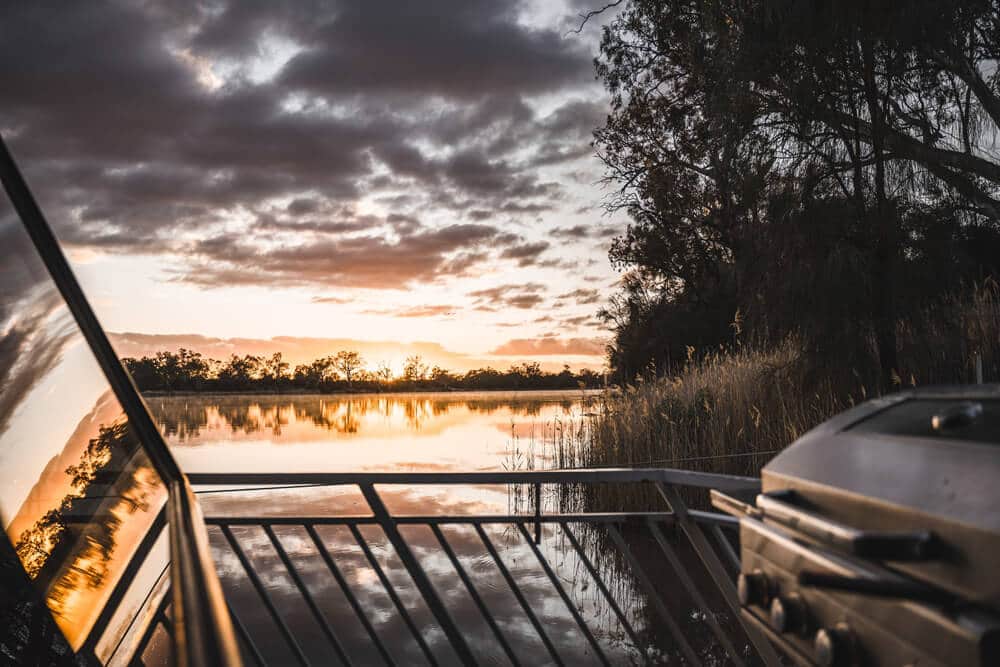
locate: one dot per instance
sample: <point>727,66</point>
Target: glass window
<point>77,493</point>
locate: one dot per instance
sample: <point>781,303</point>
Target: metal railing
<point>201,621</point>
<point>671,531</point>
<point>203,628</point>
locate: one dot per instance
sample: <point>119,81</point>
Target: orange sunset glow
<point>287,185</point>
<point>493,332</point>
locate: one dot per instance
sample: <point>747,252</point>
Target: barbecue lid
<point>926,459</point>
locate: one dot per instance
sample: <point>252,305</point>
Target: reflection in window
<point>77,493</point>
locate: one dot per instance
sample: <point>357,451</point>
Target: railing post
<point>538,513</point>
<point>417,573</point>
<point>716,570</point>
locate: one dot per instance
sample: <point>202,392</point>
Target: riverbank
<point>731,411</point>
<point>345,393</point>
<point>343,373</point>
<point>727,413</point>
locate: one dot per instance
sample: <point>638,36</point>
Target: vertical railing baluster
<point>351,600</point>
<point>565,597</point>
<point>262,592</point>
<point>716,570</point>
<point>714,550</point>
<point>245,636</point>
<point>676,633</point>
<point>391,592</point>
<point>727,549</point>
<point>505,573</point>
<point>693,591</point>
<point>538,513</point>
<point>417,573</point>
<point>307,596</point>
<point>474,594</point>
<point>601,586</point>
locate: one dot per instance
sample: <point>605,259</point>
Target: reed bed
<point>732,410</point>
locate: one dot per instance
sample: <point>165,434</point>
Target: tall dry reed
<point>730,411</point>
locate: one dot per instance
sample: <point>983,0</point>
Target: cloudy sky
<point>378,172</point>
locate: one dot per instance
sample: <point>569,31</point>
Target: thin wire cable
<point>632,464</point>
<point>626,464</point>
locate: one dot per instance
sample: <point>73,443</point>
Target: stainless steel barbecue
<point>875,539</point>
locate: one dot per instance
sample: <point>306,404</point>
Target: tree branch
<point>591,14</point>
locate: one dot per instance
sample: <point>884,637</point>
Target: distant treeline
<point>186,370</point>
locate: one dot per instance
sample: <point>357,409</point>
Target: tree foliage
<point>796,167</point>
<point>343,371</point>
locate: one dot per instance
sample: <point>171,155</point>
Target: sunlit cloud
<point>552,346</point>
<point>351,156</point>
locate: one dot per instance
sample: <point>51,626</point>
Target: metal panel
<point>713,552</point>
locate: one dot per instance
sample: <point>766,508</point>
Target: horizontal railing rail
<point>670,476</point>
<point>671,533</point>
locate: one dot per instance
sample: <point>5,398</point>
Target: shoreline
<point>187,393</point>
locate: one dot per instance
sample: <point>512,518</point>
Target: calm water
<point>458,431</point>
<point>403,432</point>
<point>397,432</point>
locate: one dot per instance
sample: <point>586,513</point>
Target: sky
<point>318,175</point>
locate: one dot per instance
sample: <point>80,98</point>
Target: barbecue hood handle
<point>780,507</point>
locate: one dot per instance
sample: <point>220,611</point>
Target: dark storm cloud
<point>35,326</point>
<point>303,206</point>
<point>131,145</point>
<point>366,261</point>
<point>584,232</point>
<point>525,254</point>
<point>575,232</point>
<point>509,296</point>
<point>582,296</point>
<point>451,48</point>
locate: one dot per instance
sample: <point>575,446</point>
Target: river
<point>452,431</point>
<point>461,431</point>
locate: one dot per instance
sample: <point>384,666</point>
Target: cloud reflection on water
<point>365,584</point>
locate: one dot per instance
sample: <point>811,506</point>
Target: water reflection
<point>76,492</point>
<point>419,432</point>
<point>367,586</point>
<point>458,431</point>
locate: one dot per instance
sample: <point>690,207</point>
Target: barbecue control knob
<point>752,588</point>
<point>788,614</point>
<point>834,647</point>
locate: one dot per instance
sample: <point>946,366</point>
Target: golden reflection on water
<point>291,433</point>
<point>412,432</point>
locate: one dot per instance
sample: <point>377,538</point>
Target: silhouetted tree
<point>777,148</point>
<point>414,369</point>
<point>345,370</point>
<point>383,374</point>
<point>275,370</point>
<point>348,363</point>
